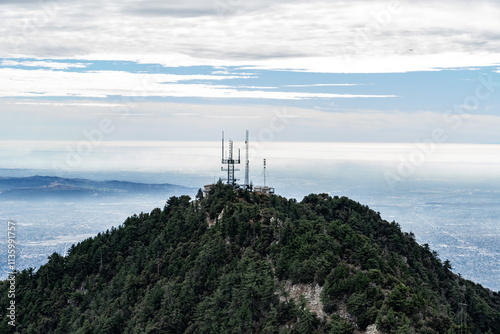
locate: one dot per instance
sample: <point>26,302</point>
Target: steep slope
<point>236,262</point>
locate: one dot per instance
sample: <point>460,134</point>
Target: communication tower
<point>230,162</point>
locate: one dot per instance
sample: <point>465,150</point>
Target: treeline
<point>169,272</point>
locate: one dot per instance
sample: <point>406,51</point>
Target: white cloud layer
<point>320,85</point>
<point>100,84</point>
<point>154,121</point>
<point>204,157</point>
<point>327,36</point>
<point>48,64</point>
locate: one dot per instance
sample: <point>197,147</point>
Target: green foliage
<point>338,325</point>
<point>169,272</point>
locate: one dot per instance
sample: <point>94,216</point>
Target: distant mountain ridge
<point>52,186</point>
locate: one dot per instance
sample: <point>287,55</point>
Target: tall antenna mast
<point>230,162</point>
<point>222,146</point>
<point>264,189</point>
<point>264,172</point>
<point>247,166</point>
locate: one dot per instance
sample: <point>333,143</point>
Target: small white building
<point>265,190</point>
<point>207,188</point>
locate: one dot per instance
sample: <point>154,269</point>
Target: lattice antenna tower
<point>230,162</point>
<point>247,165</point>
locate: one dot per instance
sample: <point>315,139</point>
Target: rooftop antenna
<point>230,162</point>
<point>247,165</point>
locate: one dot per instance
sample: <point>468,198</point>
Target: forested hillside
<point>235,262</point>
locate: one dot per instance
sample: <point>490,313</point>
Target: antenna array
<point>230,162</point>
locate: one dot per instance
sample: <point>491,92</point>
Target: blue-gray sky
<point>358,71</point>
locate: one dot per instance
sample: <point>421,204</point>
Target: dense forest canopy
<point>233,263</point>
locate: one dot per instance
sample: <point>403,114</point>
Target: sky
<point>152,84</point>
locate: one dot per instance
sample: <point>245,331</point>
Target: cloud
<point>100,84</point>
<point>320,85</point>
<point>257,87</point>
<point>196,8</point>
<point>334,36</point>
<point>48,64</point>
<point>72,104</point>
<point>150,121</point>
<point>204,157</point>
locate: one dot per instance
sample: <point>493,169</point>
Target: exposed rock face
<point>372,329</point>
<point>212,222</point>
<point>311,294</point>
<point>342,311</point>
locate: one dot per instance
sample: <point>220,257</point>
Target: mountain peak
<point>267,264</point>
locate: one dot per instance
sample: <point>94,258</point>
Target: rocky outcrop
<point>311,294</point>
<point>212,222</point>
